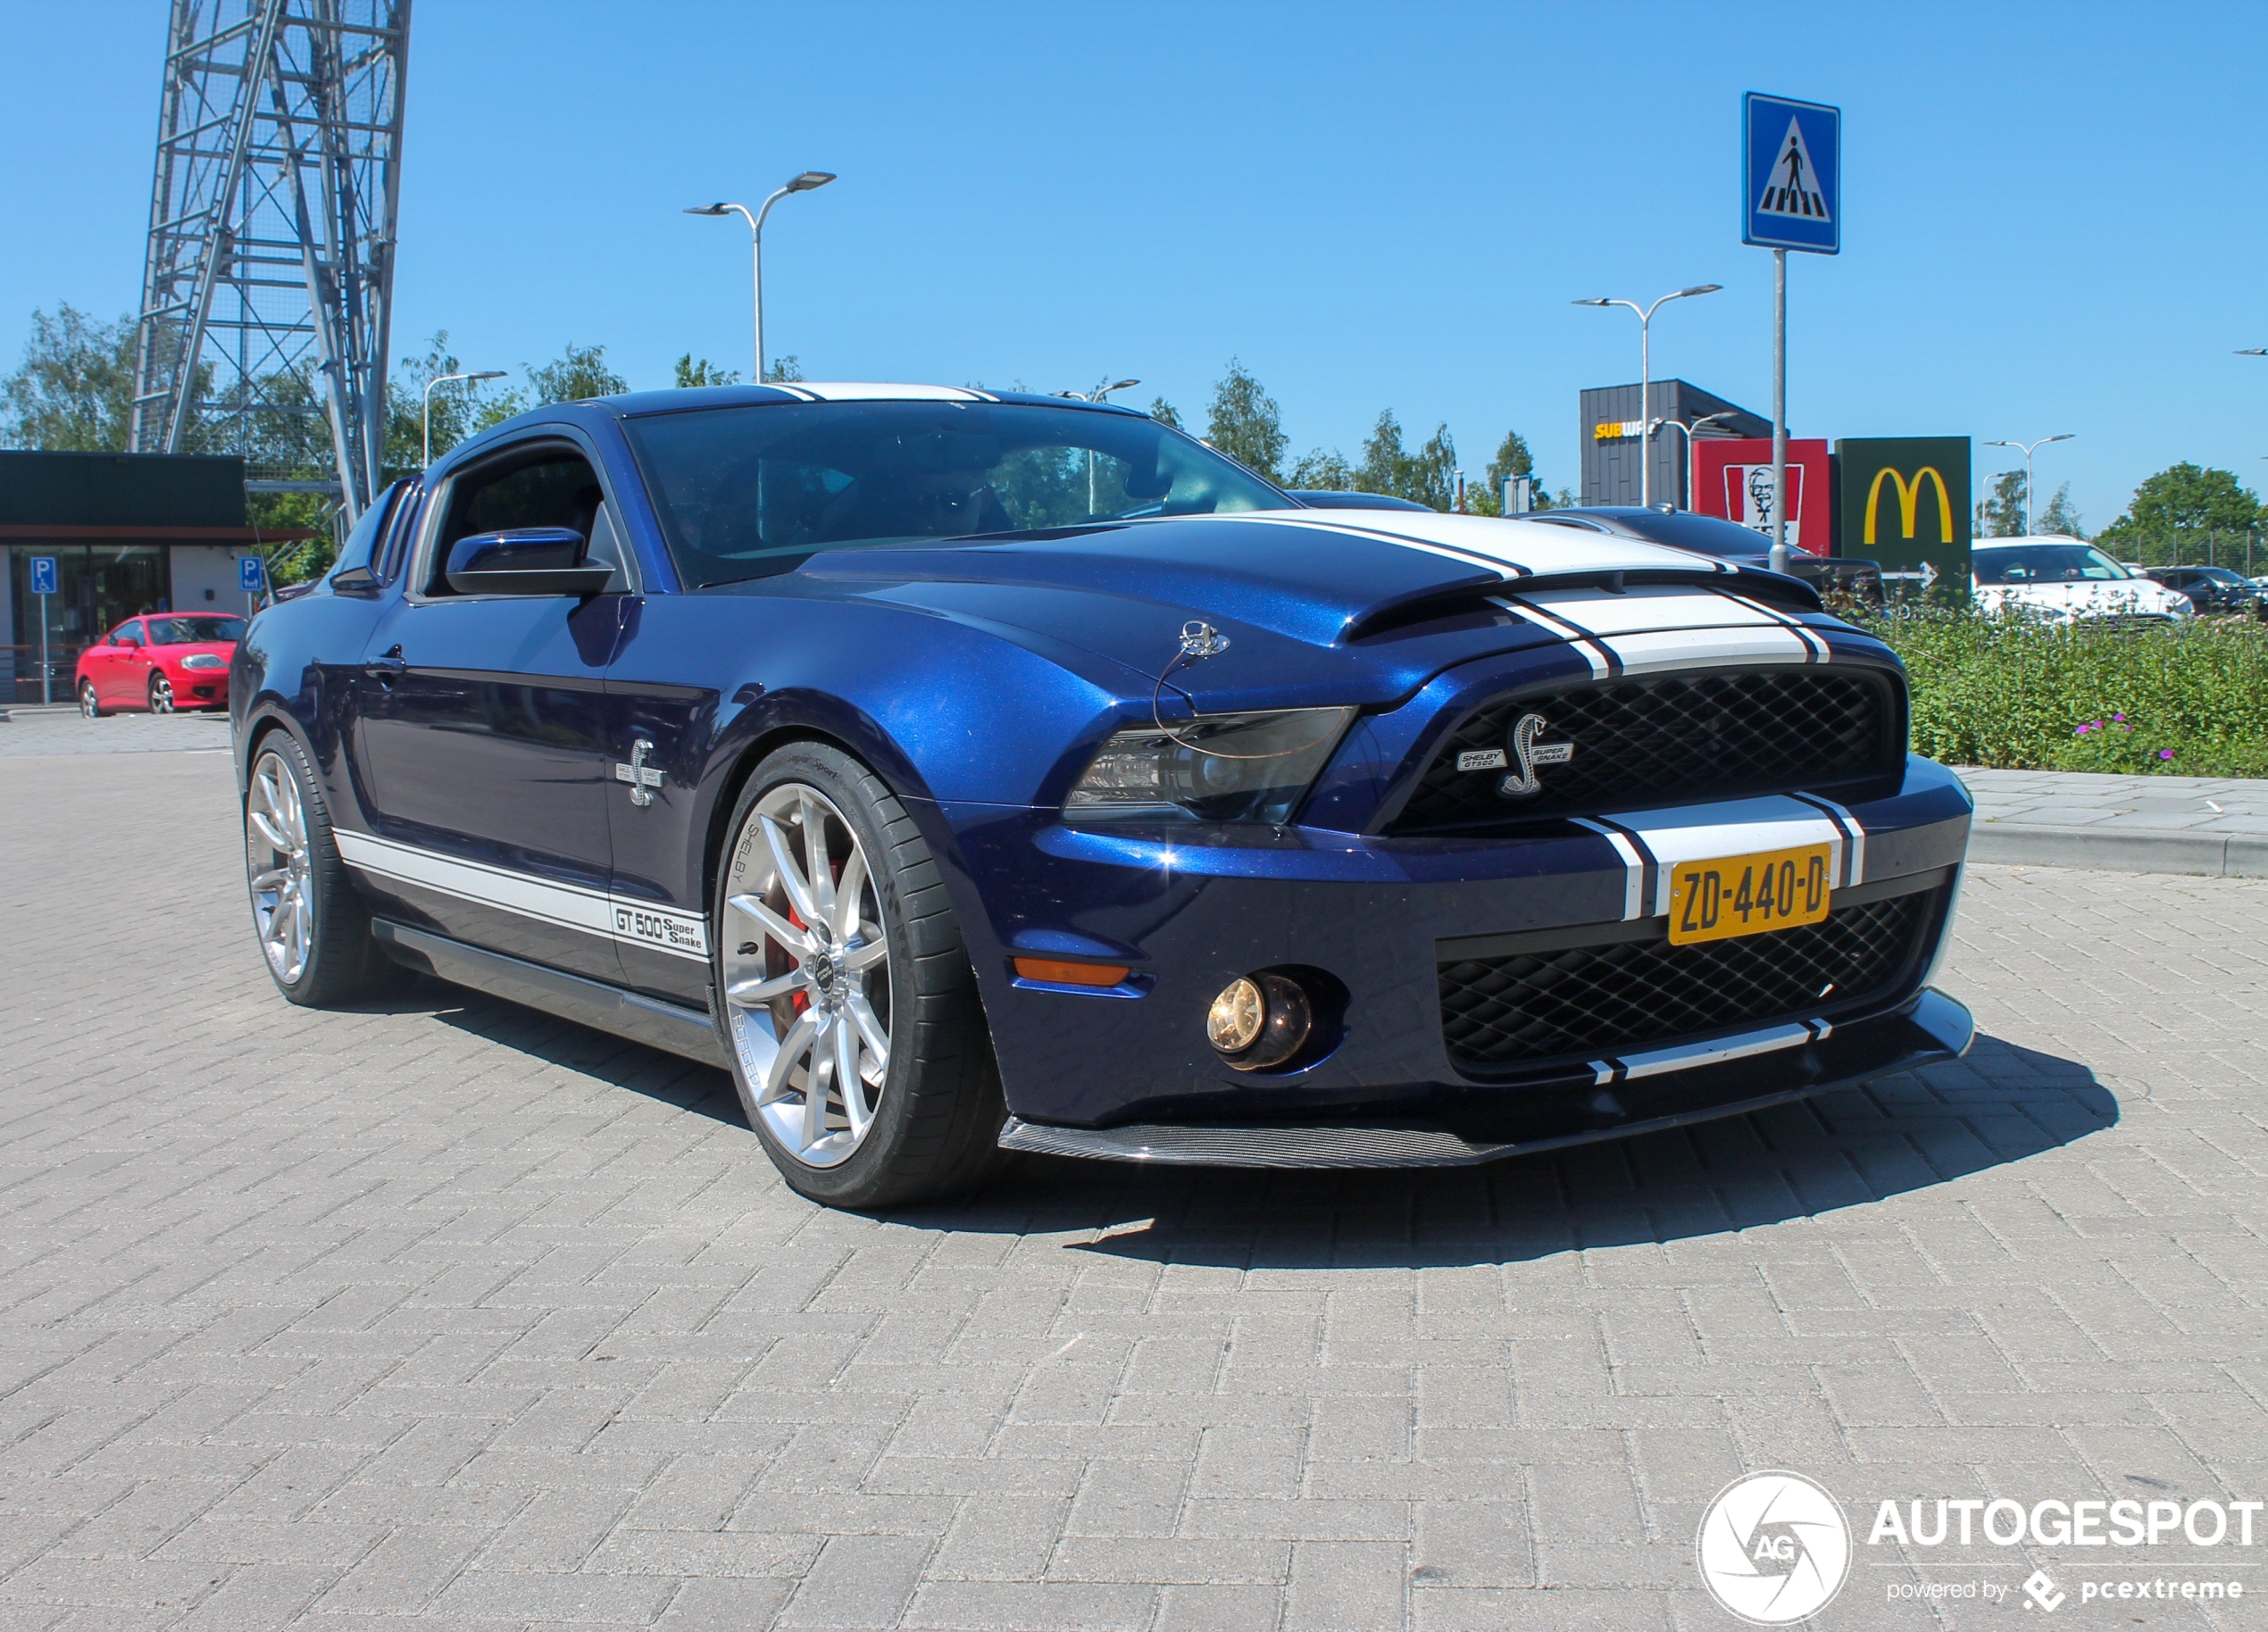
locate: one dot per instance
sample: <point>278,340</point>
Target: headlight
<point>205,660</point>
<point>1214,768</point>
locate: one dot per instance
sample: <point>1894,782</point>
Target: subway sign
<point>1903,502</point>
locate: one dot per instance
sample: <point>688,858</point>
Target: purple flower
<point>2118,716</point>
<point>2165,753</point>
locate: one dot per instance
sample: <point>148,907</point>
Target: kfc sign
<point>1732,479</point>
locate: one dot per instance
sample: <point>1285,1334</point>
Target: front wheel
<point>851,1014</point>
<point>313,930</point>
<point>160,694</point>
<point>89,704</point>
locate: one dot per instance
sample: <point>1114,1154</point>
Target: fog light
<point>1258,1021</point>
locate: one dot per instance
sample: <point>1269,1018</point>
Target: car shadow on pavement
<point>2004,1103</point>
<point>686,1084</point>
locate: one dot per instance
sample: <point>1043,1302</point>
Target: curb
<point>2213,855</point>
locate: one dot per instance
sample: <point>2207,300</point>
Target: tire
<point>160,694</point>
<point>891,963</point>
<point>313,930</point>
<point>89,704</point>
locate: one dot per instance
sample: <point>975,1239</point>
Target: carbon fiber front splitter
<point>1935,1028</point>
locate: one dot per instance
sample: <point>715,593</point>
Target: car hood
<point>1320,608</point>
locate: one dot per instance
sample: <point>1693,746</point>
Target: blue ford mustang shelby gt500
<point>970,772</point>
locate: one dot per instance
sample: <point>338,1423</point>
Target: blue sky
<point>2052,215</point>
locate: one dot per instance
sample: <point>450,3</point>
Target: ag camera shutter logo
<point>1772,1548</point>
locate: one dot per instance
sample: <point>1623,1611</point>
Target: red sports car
<point>163,661</point>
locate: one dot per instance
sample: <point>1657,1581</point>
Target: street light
<point>1099,394</point>
<point>426,417</point>
<point>805,183</point>
<point>1646,374</point>
<point>1688,426</point>
<point>2028,447</point>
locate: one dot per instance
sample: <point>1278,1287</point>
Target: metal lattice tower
<point>270,276</point>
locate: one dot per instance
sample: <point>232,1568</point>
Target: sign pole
<point>1778,411</point>
<point>47,672</point>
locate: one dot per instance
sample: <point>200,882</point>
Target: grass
<point>2024,694</point>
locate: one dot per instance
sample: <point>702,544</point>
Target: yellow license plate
<point>1747,894</point>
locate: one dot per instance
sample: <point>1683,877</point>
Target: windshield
<point>2044,563</point>
<point>194,631</point>
<point>751,491</point>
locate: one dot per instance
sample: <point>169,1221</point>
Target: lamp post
<point>1099,394</point>
<point>1646,374</point>
<point>1688,426</point>
<point>2028,448</point>
<point>425,418</point>
<point>805,183</point>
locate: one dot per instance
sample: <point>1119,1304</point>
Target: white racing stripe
<point>1654,844</point>
<point>1651,628</point>
<point>1513,549</point>
<point>875,391</point>
<point>566,906</point>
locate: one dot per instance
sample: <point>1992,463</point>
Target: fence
<point>2239,551</point>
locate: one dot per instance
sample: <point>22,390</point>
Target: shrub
<point>2022,693</point>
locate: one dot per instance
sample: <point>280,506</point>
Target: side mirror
<point>354,580</point>
<point>524,561</point>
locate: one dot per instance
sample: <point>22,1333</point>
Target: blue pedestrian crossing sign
<point>1793,174</point>
<point>43,575</point>
<point>249,578</point>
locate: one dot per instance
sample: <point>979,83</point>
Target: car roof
<point>632,404</point>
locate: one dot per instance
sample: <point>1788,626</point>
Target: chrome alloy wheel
<point>89,704</point>
<point>275,856</point>
<point>160,694</point>
<point>806,974</point>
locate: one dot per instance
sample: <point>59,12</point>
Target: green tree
<point>2184,512</point>
<point>1246,424</point>
<point>1513,459</point>
<point>2000,513</point>
<point>581,371</point>
<point>1323,469</point>
<point>2059,517</point>
<point>74,391</point>
<point>1165,414</point>
<point>1427,477</point>
<point>690,374</point>
<point>784,370</point>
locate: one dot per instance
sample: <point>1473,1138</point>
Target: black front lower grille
<point>1591,1001</point>
<point>1669,739</point>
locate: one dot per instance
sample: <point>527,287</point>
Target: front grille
<point>1670,739</point>
<point>1585,1003</point>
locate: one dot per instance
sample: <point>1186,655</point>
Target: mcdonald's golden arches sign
<point>1904,501</point>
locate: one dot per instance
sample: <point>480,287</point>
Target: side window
<point>549,486</point>
<point>129,634</point>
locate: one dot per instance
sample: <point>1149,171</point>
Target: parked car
<point>2066,578</point>
<point>1727,540</point>
<point>161,663</point>
<point>2212,591</point>
<point>968,771</point>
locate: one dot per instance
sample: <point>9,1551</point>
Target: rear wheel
<point>89,704</point>
<point>313,930</point>
<point>160,694</point>
<point>857,1040</point>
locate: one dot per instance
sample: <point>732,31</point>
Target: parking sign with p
<point>43,575</point>
<point>250,577</point>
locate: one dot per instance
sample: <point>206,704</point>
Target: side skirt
<point>667,1025</point>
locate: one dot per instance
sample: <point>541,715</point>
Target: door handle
<point>392,665</point>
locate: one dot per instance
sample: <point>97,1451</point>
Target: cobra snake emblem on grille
<point>1528,753</point>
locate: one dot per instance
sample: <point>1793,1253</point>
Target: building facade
<point>129,533</point>
<point>1611,417</point>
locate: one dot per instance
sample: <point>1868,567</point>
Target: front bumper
<point>1930,1029</point>
<point>1372,915</point>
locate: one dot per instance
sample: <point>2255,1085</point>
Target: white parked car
<point>2067,579</point>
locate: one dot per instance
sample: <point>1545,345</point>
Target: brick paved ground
<point>454,1314</point>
